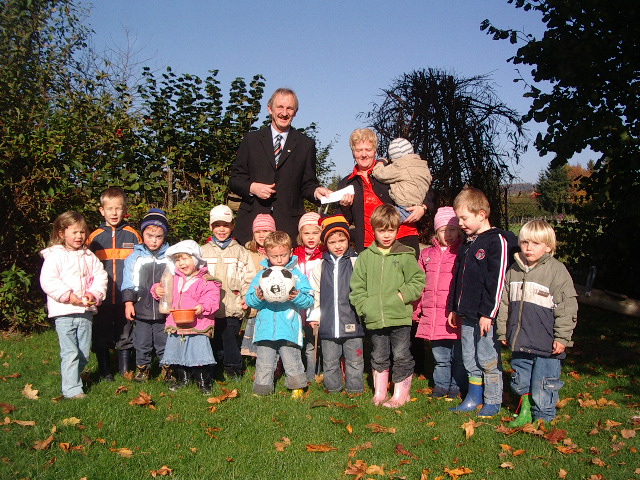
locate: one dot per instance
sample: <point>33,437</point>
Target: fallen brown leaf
<point>375,470</point>
<point>143,399</point>
<point>359,469</point>
<point>556,435</point>
<point>627,433</point>
<point>43,444</point>
<point>609,424</point>
<point>598,462</point>
<point>7,407</point>
<point>29,392</point>
<point>123,452</point>
<point>162,471</point>
<point>563,403</point>
<point>469,427</point>
<point>121,389</point>
<point>517,453</point>
<point>280,446</point>
<point>457,472</point>
<point>562,473</point>
<point>71,421</point>
<point>575,375</point>
<point>364,446</point>
<point>400,450</point>
<point>321,447</point>
<point>129,375</point>
<point>508,465</point>
<point>227,394</point>
<point>424,474</point>
<point>32,423</point>
<point>375,428</point>
<point>350,428</point>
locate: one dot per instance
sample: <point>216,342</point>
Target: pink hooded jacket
<point>431,311</point>
<point>201,289</point>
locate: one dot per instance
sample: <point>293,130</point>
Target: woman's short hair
<point>360,135</point>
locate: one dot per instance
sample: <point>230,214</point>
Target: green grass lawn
<point>240,438</point>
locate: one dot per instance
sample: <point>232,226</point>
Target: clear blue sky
<point>337,55</point>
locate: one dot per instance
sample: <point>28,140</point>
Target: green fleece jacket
<point>376,281</point>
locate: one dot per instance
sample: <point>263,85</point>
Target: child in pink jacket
<point>437,261</point>
<point>188,350</point>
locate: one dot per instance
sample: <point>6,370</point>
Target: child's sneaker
<point>142,374</point>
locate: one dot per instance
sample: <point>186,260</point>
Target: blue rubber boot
<point>489,410</point>
<point>472,400</point>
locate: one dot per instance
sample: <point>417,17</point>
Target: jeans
<point>449,374</point>
<point>351,349</point>
<point>396,341</point>
<point>481,357</point>
<point>540,377</point>
<point>74,336</point>
<point>147,335</point>
<point>266,365</point>
<point>225,344</point>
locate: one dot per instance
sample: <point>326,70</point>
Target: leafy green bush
<point>21,308</point>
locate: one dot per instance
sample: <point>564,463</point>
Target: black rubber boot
<point>203,379</point>
<point>179,378</point>
<point>124,361</point>
<point>104,365</point>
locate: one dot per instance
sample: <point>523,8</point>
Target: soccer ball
<point>276,283</point>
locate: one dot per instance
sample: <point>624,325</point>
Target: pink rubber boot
<point>401,393</point>
<point>380,385</point>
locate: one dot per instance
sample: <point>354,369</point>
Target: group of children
<point>473,290</point>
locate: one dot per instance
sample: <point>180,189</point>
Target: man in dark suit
<point>275,170</point>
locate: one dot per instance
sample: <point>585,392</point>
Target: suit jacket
<point>295,180</point>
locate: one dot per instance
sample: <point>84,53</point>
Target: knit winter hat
<point>264,222</point>
<point>445,216</point>
<point>157,217</point>
<point>334,223</point>
<point>220,213</point>
<point>190,248</point>
<point>399,148</point>
<point>309,218</point>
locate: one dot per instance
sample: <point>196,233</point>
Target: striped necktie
<point>277,149</point>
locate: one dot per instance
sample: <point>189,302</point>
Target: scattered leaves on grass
<point>43,444</point>
<point>628,433</point>
<point>227,394</point>
<point>359,469</point>
<point>375,428</point>
<point>364,446</point>
<point>22,423</point>
<point>508,465</point>
<point>320,447</point>
<point>163,471</point>
<point>13,375</point>
<point>609,424</point>
<point>349,429</point>
<point>121,389</point>
<point>144,400</point>
<point>123,452</point>
<point>575,375</point>
<point>325,403</point>
<point>29,392</point>
<point>281,445</point>
<point>562,473</point>
<point>129,375</point>
<point>598,462</point>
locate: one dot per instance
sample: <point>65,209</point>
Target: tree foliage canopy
<point>466,134</point>
<point>587,72</point>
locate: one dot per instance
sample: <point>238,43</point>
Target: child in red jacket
<point>438,261</point>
